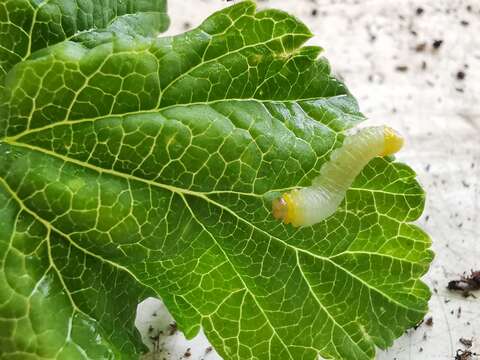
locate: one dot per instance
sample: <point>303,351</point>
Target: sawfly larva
<point>310,205</point>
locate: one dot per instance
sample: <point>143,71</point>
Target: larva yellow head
<point>393,141</point>
<point>279,208</point>
<point>283,208</point>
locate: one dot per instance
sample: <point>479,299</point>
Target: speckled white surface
<point>369,43</point>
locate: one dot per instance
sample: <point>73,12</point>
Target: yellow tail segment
<point>393,142</point>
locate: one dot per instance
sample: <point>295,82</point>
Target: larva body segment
<point>310,205</point>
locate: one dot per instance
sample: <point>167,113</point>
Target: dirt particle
<point>172,328</point>
<point>401,68</point>
<point>437,44</point>
<point>156,340</point>
<point>464,23</point>
<point>461,75</point>
<point>419,11</point>
<point>415,327</point>
<point>466,342</point>
<point>314,12</point>
<point>464,355</point>
<point>466,284</point>
<point>208,350</point>
<point>187,353</point>
<point>421,47</point>
<point>429,321</point>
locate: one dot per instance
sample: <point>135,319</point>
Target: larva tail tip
<point>393,141</point>
<point>279,208</point>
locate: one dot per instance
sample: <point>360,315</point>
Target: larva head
<point>393,141</point>
<point>283,208</point>
<point>280,208</point>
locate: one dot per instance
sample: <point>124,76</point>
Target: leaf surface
<point>133,165</point>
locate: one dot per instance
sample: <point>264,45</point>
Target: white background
<point>365,41</point>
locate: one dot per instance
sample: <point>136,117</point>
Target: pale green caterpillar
<point>310,205</point>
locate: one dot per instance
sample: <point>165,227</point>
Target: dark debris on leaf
<point>417,325</point>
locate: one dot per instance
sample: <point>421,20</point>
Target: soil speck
<point>421,47</point>
<point>464,355</point>
<point>437,44</point>
<point>172,328</point>
<point>429,321</point>
<point>466,283</point>
<point>466,342</point>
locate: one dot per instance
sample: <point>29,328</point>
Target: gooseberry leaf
<point>132,165</point>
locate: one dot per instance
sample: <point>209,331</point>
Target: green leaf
<point>30,25</point>
<point>133,165</point>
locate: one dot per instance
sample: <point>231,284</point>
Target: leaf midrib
<point>181,193</point>
<point>240,277</point>
<point>202,196</point>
